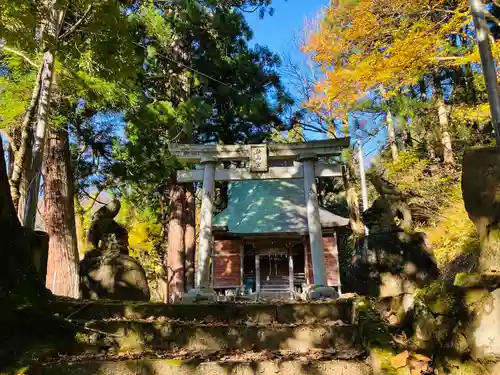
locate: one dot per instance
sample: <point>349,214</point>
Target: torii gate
<point>307,166</point>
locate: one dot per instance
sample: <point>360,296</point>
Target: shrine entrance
<point>275,272</point>
<point>272,198</point>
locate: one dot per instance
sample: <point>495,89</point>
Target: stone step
<point>206,362</point>
<point>140,336</point>
<point>176,367</point>
<point>224,312</point>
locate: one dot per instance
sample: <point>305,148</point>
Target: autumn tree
<point>397,45</point>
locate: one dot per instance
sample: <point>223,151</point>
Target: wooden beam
<point>274,173</point>
<point>329,147</point>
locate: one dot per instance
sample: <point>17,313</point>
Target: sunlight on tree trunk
<point>445,133</point>
<point>392,136</point>
<point>190,237</point>
<point>175,254</point>
<point>22,159</point>
<point>59,217</point>
<point>50,33</point>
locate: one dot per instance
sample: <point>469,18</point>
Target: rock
<point>480,186</point>
<point>495,369</point>
<point>322,292</point>
<point>395,263</point>
<point>408,301</point>
<point>459,343</point>
<point>485,328</point>
<point>118,277</point>
<point>488,281</point>
<point>199,295</point>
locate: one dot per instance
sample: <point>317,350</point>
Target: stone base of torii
<point>308,155</point>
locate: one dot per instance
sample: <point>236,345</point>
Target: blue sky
<point>277,32</point>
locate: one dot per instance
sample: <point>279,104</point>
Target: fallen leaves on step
<point>399,360</point>
<point>213,355</point>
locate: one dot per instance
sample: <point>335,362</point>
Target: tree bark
<point>448,157</point>
<point>392,136</point>
<point>175,253</point>
<point>352,198</point>
<point>50,33</point>
<point>26,179</point>
<point>59,217</point>
<point>190,237</point>
<point>23,155</point>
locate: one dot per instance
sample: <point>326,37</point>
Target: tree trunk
<point>448,157</point>
<point>392,135</point>
<point>26,179</point>
<point>352,198</point>
<point>469,81</point>
<point>23,155</point>
<point>175,253</point>
<point>80,226</point>
<point>190,237</point>
<point>49,34</point>
<point>39,143</point>
<point>59,217</point>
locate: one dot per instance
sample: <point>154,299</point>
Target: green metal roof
<point>269,206</point>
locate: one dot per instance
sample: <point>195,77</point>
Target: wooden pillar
<point>205,241</point>
<point>257,273</point>
<point>313,222</point>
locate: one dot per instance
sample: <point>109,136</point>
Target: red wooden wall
<point>227,264</point>
<point>331,261</point>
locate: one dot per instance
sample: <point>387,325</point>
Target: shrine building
<point>261,239</point>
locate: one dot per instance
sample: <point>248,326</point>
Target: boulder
<point>480,187</point>
<point>484,330</point>
<point>392,263</point>
<point>118,277</point>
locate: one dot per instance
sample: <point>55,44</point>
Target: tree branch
<point>18,53</point>
<point>78,23</point>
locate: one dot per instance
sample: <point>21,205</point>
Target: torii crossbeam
<point>306,165</point>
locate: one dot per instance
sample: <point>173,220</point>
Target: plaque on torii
<point>306,166</point>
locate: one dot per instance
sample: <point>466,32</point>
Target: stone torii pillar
<point>313,220</point>
<point>205,238</point>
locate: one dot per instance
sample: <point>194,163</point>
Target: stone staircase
<point>220,338</point>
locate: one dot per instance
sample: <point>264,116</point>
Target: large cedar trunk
<point>175,253</point>
<point>59,217</point>
<point>190,237</point>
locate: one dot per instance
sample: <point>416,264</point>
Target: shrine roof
<point>269,206</point>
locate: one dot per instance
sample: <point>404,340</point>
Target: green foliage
<point>145,236</point>
<point>202,83</point>
<point>16,82</point>
<point>435,198</point>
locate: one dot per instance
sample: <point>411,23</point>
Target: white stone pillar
<point>313,222</point>
<point>205,236</point>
